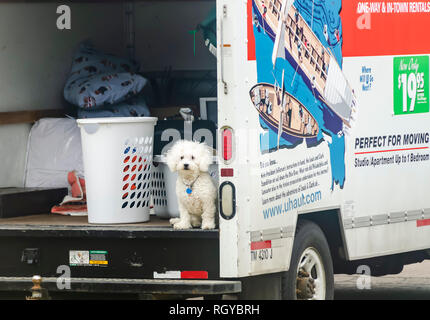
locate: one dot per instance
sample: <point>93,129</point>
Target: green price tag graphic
<point>411,87</point>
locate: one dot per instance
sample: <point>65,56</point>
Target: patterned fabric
<point>89,61</point>
<point>134,108</point>
<point>99,90</point>
<point>99,79</point>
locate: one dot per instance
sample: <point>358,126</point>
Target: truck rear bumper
<point>134,286</point>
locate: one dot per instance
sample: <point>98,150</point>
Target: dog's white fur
<point>198,208</point>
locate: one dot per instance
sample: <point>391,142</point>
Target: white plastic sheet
<point>54,149</point>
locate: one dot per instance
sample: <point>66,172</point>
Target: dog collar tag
<point>189,190</point>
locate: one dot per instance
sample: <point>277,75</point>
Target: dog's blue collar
<point>189,189</point>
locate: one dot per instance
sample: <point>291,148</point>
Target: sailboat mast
<point>282,111</point>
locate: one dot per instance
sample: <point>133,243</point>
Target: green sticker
<point>95,258</point>
<point>411,87</point>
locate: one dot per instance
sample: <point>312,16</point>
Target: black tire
<point>308,235</point>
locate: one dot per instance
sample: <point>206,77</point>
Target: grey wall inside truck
<point>35,56</point>
<point>35,59</point>
<point>164,28</point>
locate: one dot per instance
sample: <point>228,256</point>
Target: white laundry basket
<point>117,155</point>
<point>164,187</point>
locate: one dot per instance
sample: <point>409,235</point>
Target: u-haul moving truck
<point>328,104</point>
<point>322,140</point>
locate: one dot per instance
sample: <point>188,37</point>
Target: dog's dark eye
<point>182,158</point>
<point>192,157</point>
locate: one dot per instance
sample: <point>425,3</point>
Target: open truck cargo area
<point>318,125</point>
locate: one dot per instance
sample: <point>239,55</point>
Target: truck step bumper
<point>138,286</point>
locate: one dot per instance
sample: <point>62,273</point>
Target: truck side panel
<point>320,127</point>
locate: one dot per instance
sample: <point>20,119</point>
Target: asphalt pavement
<point>413,283</point>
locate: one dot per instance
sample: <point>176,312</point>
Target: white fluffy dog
<point>194,187</point>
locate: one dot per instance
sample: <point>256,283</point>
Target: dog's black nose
<point>186,166</point>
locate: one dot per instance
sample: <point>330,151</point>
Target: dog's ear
<point>172,156</point>
<point>205,157</point>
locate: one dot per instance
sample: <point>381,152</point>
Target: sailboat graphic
<point>296,42</point>
<point>283,113</point>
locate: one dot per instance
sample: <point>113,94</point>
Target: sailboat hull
<point>297,122</point>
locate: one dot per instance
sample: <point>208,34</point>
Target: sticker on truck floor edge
<point>93,258</point>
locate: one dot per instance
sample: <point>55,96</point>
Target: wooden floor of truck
<point>57,220</point>
<point>54,221</point>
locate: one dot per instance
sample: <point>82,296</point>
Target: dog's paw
<point>174,220</point>
<point>208,225</point>
<point>181,225</point>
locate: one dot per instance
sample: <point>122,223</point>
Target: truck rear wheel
<point>310,276</point>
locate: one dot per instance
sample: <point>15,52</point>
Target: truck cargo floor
<point>79,226</point>
<point>56,220</point>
